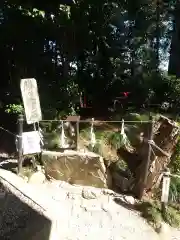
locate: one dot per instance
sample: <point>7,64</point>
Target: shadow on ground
<point>9,164</point>
<point>18,221</point>
<point>125,204</point>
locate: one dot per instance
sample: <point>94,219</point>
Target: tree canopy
<point>100,48</point>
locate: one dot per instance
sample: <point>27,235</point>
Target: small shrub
<point>175,160</point>
<point>174,190</point>
<point>151,211</point>
<point>174,194</point>
<point>14,108</point>
<point>115,139</point>
<point>172,217</point>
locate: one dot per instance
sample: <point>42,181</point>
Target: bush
<point>151,211</point>
<point>175,160</point>
<point>114,139</point>
<point>172,217</point>
<point>174,191</point>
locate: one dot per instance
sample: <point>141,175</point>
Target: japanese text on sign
<point>31,101</point>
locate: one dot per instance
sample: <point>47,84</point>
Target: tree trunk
<point>165,137</point>
<point>166,133</point>
<point>173,68</point>
<point>157,45</point>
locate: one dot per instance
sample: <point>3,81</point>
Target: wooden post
<point>147,165</point>
<point>20,146</point>
<point>163,209</point>
<point>77,135</point>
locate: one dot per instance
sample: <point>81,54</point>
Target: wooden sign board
<point>31,142</point>
<point>73,118</point>
<point>31,101</point>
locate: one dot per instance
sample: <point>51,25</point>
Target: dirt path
<point>78,213</point>
<point>175,234</point>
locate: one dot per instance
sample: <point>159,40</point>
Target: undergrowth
<point>175,160</point>
<point>151,211</point>
<point>174,192</point>
<point>113,139</point>
<point>172,216</point>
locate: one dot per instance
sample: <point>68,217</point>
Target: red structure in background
<point>126,94</point>
<point>83,99</point>
<point>83,102</point>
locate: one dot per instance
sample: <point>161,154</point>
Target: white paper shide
<point>31,142</point>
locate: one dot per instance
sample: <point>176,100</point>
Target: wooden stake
<point>77,135</point>
<point>147,165</point>
<point>20,146</point>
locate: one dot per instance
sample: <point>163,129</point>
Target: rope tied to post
<point>152,143</point>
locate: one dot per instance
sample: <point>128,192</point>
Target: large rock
<point>76,168</point>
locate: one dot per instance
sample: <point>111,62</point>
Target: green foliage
<point>32,13</point>
<point>14,108</point>
<point>175,160</point>
<point>172,216</point>
<point>174,191</point>
<point>115,139</point>
<point>99,47</point>
<point>152,212</point>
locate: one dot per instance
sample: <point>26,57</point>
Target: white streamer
<point>39,132</point>
<point>123,134</point>
<point>63,137</point>
<point>93,137</point>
